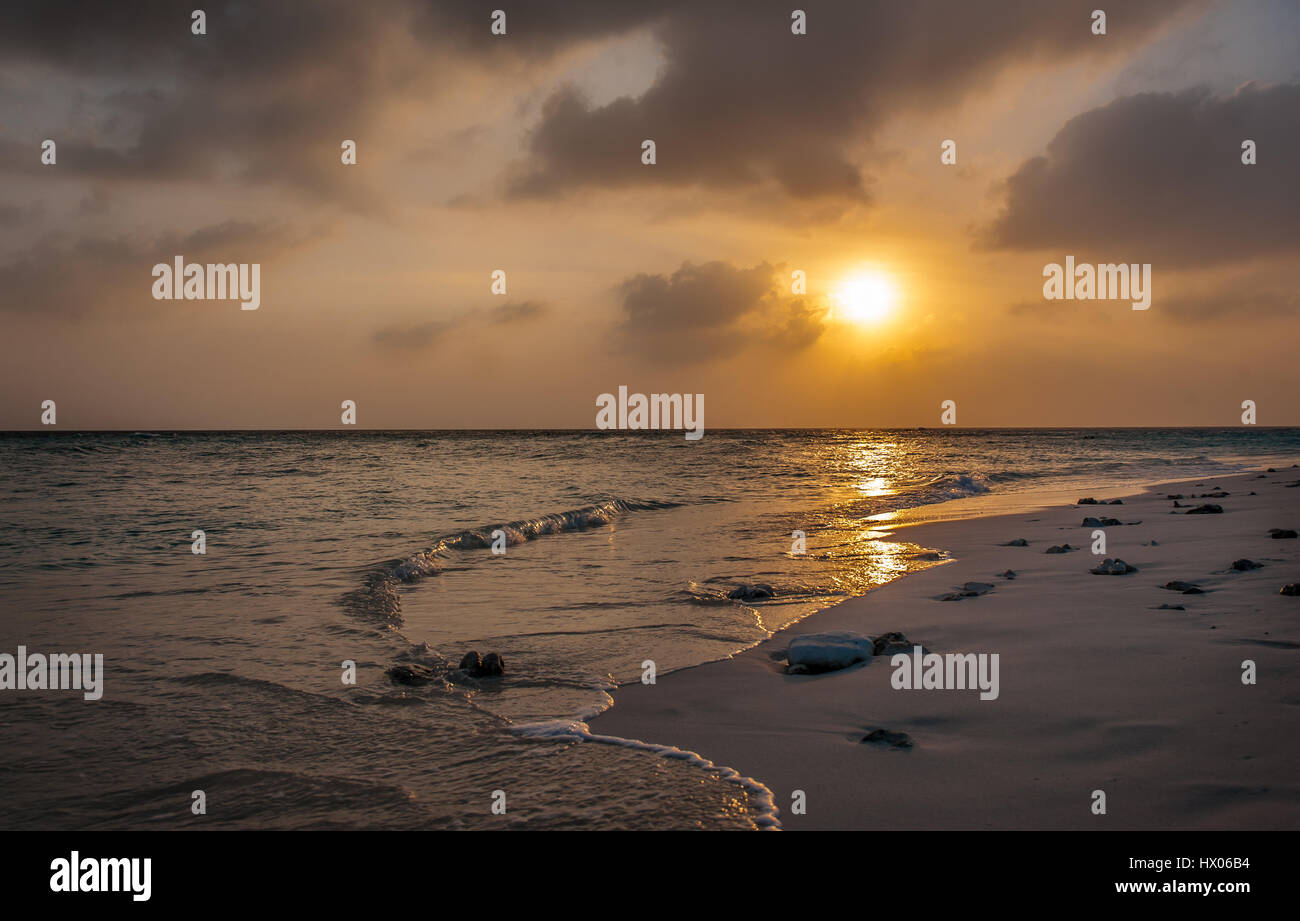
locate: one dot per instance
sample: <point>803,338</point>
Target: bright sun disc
<point>867,298</point>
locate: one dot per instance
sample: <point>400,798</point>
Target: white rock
<point>828,651</point>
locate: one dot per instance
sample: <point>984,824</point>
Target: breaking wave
<point>378,599</point>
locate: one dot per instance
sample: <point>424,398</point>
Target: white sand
<point>1098,689</point>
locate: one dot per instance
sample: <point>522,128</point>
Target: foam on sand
<point>760,797</point>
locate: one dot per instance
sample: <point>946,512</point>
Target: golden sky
<point>775,152</point>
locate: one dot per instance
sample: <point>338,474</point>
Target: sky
<point>775,153</point>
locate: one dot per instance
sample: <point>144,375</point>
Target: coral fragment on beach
<point>1115,567</point>
<point>889,738</point>
<point>826,652</point>
<point>969,590</point>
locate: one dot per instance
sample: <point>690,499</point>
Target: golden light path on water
<point>861,544</point>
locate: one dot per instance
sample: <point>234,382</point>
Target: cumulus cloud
<point>742,101</point>
<point>711,310</point>
<point>1158,178</point>
<point>267,95</point>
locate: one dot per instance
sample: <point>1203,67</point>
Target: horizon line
<point>50,430</point>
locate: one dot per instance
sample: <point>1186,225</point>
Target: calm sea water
<point>223,671</point>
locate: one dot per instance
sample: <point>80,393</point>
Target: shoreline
<point>1101,689</point>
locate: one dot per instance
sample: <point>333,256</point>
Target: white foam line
<point>767,819</point>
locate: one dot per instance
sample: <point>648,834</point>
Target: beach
<point>1101,688</point>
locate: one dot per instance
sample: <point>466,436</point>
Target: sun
<point>865,298</point>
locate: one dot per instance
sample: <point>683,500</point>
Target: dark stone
<point>889,643</point>
<point>1292,589</point>
<point>1018,542</point>
<point>1244,565</point>
<point>1063,548</point>
<point>410,674</point>
<point>1116,567</point>
<point>493,666</point>
<point>1009,574</point>
<point>1187,588</point>
<point>1208,508</point>
<point>889,738</point>
<point>749,592</point>
<point>490,666</point>
<point>1088,501</point>
<point>1281,533</point>
<point>1171,607</point>
<point>969,590</point>
<point>1115,502</point>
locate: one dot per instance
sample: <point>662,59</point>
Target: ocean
<point>224,671</point>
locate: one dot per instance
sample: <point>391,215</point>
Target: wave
<point>783,592</point>
<point>942,488</point>
<point>379,600</point>
<point>963,485</point>
<point>767,815</point>
<point>518,532</point>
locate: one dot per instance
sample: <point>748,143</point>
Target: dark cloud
<point>414,338</point>
<point>271,90</point>
<point>741,100</point>
<point>712,310</point>
<point>66,275</point>
<point>533,29</point>
<point>268,94</point>
<point>97,202</point>
<point>1237,299</point>
<point>417,338</point>
<point>517,312</point>
<point>1158,178</point>
<point>1240,302</point>
<point>803,326</point>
